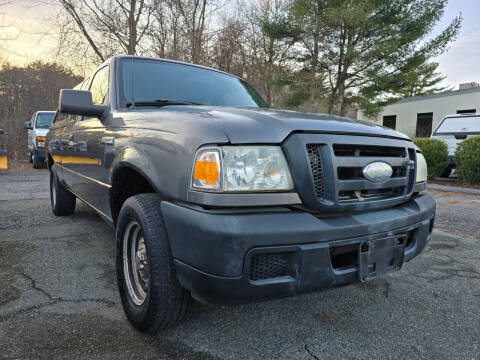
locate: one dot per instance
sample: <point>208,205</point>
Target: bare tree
<point>269,37</point>
<point>24,90</point>
<point>194,14</point>
<point>108,26</point>
<point>167,33</point>
<point>228,50</point>
<point>8,30</point>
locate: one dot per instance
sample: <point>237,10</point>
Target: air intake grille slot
<point>368,150</point>
<point>316,168</point>
<point>270,265</point>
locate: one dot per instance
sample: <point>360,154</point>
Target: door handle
<point>108,140</point>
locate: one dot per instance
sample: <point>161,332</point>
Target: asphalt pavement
<point>58,297</point>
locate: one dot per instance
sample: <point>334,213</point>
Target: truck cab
<point>38,127</point>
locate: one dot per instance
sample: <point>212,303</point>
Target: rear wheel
<point>61,200</point>
<point>151,295</point>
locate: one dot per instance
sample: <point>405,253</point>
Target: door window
<point>99,87</point>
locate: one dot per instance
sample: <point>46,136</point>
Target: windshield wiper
<point>161,102</point>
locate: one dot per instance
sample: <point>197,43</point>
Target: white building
<point>418,116</point>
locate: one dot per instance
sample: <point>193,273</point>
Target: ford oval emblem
<point>377,172</point>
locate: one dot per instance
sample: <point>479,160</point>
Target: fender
<point>138,161</point>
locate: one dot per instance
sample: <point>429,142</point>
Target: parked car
<point>214,194</point>
<point>37,129</point>
<point>453,130</point>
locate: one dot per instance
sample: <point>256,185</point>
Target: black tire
<point>446,173</point>
<point>164,301</point>
<point>37,163</point>
<point>61,200</point>
<point>30,160</point>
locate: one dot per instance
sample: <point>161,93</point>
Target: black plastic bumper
<point>213,251</point>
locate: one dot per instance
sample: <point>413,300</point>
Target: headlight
<point>40,141</point>
<point>242,169</point>
<point>421,168</point>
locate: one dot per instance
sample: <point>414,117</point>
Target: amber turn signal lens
<point>40,138</point>
<point>206,172</point>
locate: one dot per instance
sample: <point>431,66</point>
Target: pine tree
<point>372,50</point>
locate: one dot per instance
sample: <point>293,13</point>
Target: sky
<point>461,63</point>
<point>33,37</point>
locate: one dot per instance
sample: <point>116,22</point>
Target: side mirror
<point>79,102</point>
<point>28,125</point>
<point>2,132</point>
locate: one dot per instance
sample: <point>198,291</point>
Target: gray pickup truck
<point>215,195</point>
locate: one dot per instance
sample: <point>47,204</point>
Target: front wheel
<point>38,163</point>
<point>61,200</point>
<point>151,295</point>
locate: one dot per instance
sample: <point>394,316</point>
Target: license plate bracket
<point>379,257</point>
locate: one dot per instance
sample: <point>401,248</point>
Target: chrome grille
<point>336,166</point>
<point>352,185</point>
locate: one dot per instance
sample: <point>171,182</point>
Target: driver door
<point>86,165</point>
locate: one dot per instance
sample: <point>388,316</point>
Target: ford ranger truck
<point>214,195</point>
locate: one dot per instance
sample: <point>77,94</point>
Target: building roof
<point>439,95</point>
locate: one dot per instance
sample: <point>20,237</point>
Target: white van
<point>453,130</point>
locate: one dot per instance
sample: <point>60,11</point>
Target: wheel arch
<point>131,174</point>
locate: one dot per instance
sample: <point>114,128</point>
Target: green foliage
<point>373,51</point>
<point>422,80</point>
<point>435,152</point>
<point>467,157</point>
<point>296,93</point>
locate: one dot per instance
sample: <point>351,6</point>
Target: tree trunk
<point>338,93</point>
<point>313,75</point>
<point>132,29</point>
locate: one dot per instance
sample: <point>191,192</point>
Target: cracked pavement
<point>58,297</point>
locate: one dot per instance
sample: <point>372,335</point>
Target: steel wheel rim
<point>135,263</point>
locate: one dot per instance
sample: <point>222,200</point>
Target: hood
<point>257,125</point>
<point>269,125</point>
<point>41,132</point>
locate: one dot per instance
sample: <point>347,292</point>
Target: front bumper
<point>214,252</point>
<point>39,153</point>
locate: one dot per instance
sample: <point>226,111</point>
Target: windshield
<point>155,80</point>
<point>44,120</point>
<point>468,124</point>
